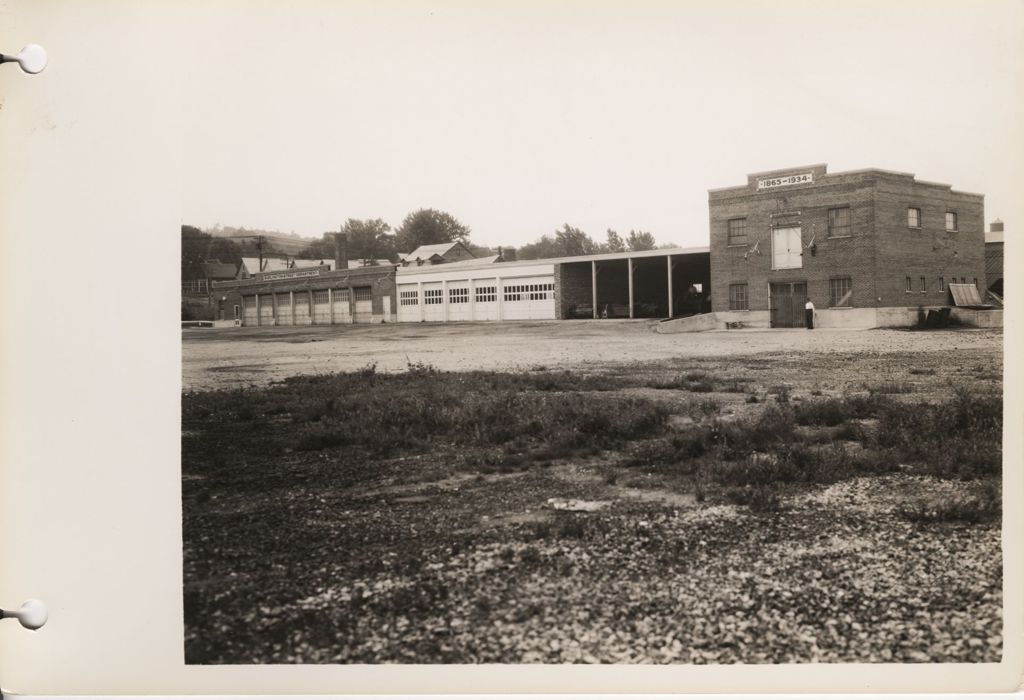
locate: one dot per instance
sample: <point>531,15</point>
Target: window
<point>942,284</point>
<point>409,298</point>
<point>910,284</point>
<point>839,222</point>
<point>486,294</point>
<point>913,217</point>
<point>364,294</point>
<point>975,281</point>
<point>320,296</point>
<point>951,223</point>
<point>458,295</point>
<point>737,232</point>
<point>236,312</point>
<point>529,292</point>
<point>924,284</point>
<point>433,296</point>
<point>738,297</point>
<point>839,291</point>
<point>963,280</point>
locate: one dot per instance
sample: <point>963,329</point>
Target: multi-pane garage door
<point>284,309</point>
<point>478,300</point>
<point>364,304</point>
<point>266,310</point>
<point>301,308</point>
<point>342,312</point>
<point>321,307</point>
<point>528,298</point>
<point>249,310</point>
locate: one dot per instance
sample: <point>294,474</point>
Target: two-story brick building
<point>867,247</point>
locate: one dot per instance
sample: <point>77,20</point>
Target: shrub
<point>978,508</point>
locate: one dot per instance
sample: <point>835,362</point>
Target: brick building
<point>310,296</point>
<point>867,247</point>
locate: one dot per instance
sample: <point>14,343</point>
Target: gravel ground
<point>233,357</point>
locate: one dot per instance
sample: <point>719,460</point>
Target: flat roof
<point>841,173</point>
<point>628,255</point>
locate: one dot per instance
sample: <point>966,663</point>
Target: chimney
<point>501,257</point>
<point>340,251</point>
<point>996,226</point>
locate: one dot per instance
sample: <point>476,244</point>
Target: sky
<point>518,117</point>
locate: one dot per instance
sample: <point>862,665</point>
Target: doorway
<point>788,299</point>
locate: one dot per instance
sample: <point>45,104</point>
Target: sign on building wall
<point>267,276</point>
<point>767,183</point>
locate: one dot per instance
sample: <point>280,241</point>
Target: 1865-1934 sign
<point>766,183</point>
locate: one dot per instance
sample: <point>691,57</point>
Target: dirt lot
<point>223,358</point>
<point>754,497</point>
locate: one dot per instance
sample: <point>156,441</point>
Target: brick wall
<point>572,287</point>
<point>877,255</point>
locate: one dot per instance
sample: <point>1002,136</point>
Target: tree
<point>543,247</point>
<point>368,239</point>
<point>640,240</point>
<point>198,247</point>
<point>614,244</point>
<point>572,241</point>
<point>427,226</point>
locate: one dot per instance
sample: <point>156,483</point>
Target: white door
<point>386,301</point>
<point>284,309</point>
<point>408,303</point>
<point>364,304</point>
<point>485,300</point>
<point>342,311</point>
<point>321,307</point>
<point>458,301</point>
<point>433,301</point>
<point>249,310</point>
<point>528,298</point>
<point>301,308</point>
<point>787,246</point>
<point>266,309</point>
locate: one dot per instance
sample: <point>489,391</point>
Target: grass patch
<point>983,507</point>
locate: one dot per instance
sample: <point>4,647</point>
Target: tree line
<point>374,239</point>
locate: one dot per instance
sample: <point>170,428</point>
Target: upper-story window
<point>839,222</point>
<point>913,217</point>
<point>951,222</point>
<point>737,232</point>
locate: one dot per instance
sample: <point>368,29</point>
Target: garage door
<point>458,301</point>
<point>433,301</point>
<point>529,298</point>
<point>284,309</point>
<point>364,304</point>
<point>342,311</point>
<point>266,309</point>
<point>249,310</point>
<point>321,307</point>
<point>408,303</point>
<point>485,298</point>
<point>301,308</point>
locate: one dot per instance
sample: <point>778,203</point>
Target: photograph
<point>647,333</point>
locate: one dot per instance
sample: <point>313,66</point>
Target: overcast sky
<point>517,117</point>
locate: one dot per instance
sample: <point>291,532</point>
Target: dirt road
<point>225,358</point>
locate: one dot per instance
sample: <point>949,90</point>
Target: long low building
<point>646,284</point>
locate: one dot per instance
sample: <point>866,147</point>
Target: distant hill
<point>290,243</point>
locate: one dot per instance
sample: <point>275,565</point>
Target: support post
<point>444,292</point>
<point>273,306</point>
<point>259,321</point>
<point>291,300</point>
<point>593,285</point>
<point>330,303</point>
<point>668,261</point>
<point>419,293</point>
<point>629,261</point>
<point>500,289</point>
<point>311,308</point>
<point>472,300</point>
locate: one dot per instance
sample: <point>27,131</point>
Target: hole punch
<point>32,58</point>
<point>32,614</point>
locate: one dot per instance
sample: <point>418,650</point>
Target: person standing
<point>809,314</point>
